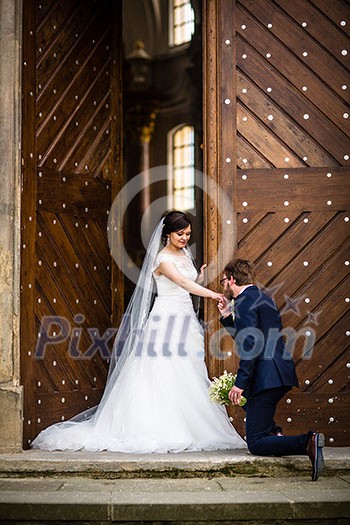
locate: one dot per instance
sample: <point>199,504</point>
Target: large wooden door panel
<point>282,75</point>
<point>71,172</point>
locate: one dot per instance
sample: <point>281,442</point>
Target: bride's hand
<point>200,278</point>
<point>217,296</point>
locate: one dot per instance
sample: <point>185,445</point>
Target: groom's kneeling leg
<point>279,446</point>
<point>260,420</point>
<point>260,413</point>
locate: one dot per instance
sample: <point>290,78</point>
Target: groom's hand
<point>235,395</point>
<point>224,307</point>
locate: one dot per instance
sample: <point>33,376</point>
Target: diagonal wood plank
<point>322,326</point>
<point>318,25</point>
<point>79,277</point>
<point>301,143</point>
<point>54,303</point>
<point>264,141</point>
<point>292,101</point>
<point>298,42</point>
<point>292,246</point>
<point>336,376</point>
<point>337,11</point>
<point>70,50</point>
<point>52,22</point>
<point>248,156</point>
<point>263,235</point>
<point>246,222</point>
<point>308,371</point>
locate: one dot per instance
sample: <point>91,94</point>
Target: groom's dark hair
<point>241,270</point>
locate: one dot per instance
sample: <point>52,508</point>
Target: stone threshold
<point>221,500</point>
<point>113,465</point>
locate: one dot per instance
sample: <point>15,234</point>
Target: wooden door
<point>277,140</point>
<point>71,149</point>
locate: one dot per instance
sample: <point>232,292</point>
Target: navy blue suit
<point>266,372</point>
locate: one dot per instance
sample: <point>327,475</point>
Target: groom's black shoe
<point>314,451</point>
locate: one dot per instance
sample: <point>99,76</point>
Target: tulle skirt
<point>159,402</point>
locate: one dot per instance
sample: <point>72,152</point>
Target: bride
<point>156,396</point>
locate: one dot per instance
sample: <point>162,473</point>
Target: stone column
<point>10,193</point>
<point>147,131</point>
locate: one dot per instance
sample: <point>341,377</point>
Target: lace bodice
<point>183,264</point>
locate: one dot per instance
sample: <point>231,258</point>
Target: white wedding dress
<point>159,402</point>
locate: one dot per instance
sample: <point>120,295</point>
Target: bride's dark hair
<point>173,222</point>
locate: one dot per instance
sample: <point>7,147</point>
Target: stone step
<point>188,464</point>
<point>219,500</point>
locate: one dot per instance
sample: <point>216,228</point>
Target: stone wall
<point>10,186</point>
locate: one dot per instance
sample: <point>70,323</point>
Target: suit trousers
<point>260,411</point>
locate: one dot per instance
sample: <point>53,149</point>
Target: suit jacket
<point>264,362</point>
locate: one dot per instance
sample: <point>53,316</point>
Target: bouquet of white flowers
<point>220,388</point>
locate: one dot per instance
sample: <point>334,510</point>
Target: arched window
<point>181,168</point>
<point>181,22</point>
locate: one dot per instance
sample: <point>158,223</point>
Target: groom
<point>266,371</point>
